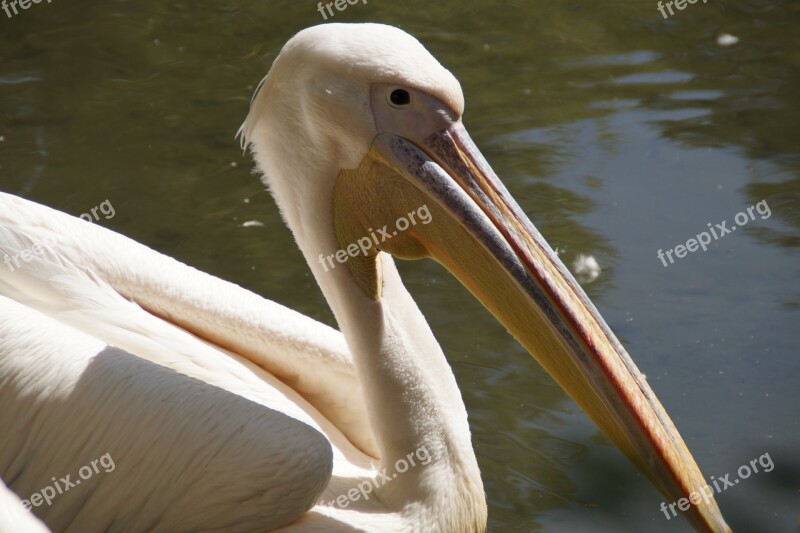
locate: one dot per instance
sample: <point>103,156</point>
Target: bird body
<point>224,411</point>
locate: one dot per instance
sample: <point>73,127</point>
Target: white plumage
<point>225,411</point>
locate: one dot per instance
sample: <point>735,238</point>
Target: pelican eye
<point>400,97</point>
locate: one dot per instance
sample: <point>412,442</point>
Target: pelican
<point>225,411</point>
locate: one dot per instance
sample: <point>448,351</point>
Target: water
<point>619,132</point>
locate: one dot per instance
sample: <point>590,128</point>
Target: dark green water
<point>619,132</point>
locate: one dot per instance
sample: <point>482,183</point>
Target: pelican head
<point>357,126</point>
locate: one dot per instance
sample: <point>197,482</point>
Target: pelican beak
<point>481,235</point>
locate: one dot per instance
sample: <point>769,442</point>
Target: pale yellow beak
<point>480,234</point>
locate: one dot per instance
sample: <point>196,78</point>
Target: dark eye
<point>400,97</point>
